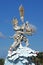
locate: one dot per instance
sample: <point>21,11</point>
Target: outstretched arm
<point>27,33</point>
<point>12,36</point>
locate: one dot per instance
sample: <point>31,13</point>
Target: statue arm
<point>22,27</point>
<point>16,28</point>
<point>27,33</point>
<point>12,36</point>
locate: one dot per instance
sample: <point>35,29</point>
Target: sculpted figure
<point>20,32</point>
<point>19,35</point>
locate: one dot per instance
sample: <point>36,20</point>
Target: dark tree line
<point>1,61</point>
<point>39,59</point>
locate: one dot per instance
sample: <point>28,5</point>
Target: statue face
<point>15,21</point>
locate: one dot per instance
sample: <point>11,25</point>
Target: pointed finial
<point>21,9</point>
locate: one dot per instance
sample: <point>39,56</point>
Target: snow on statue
<point>19,54</point>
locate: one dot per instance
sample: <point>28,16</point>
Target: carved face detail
<point>15,21</point>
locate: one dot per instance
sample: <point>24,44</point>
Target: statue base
<point>22,56</point>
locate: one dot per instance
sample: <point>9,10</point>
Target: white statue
<point>18,54</point>
<point>20,32</point>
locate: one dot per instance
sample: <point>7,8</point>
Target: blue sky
<point>33,13</point>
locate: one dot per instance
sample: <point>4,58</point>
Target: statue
<point>18,54</point>
<point>20,32</point>
<point>19,36</point>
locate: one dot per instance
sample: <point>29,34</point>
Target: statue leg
<point>26,41</point>
<point>13,46</point>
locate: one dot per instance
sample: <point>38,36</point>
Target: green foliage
<point>1,61</point>
<point>40,56</point>
<point>39,59</point>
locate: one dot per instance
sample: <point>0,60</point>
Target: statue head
<point>15,21</point>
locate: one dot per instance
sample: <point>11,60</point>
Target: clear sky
<point>33,13</point>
